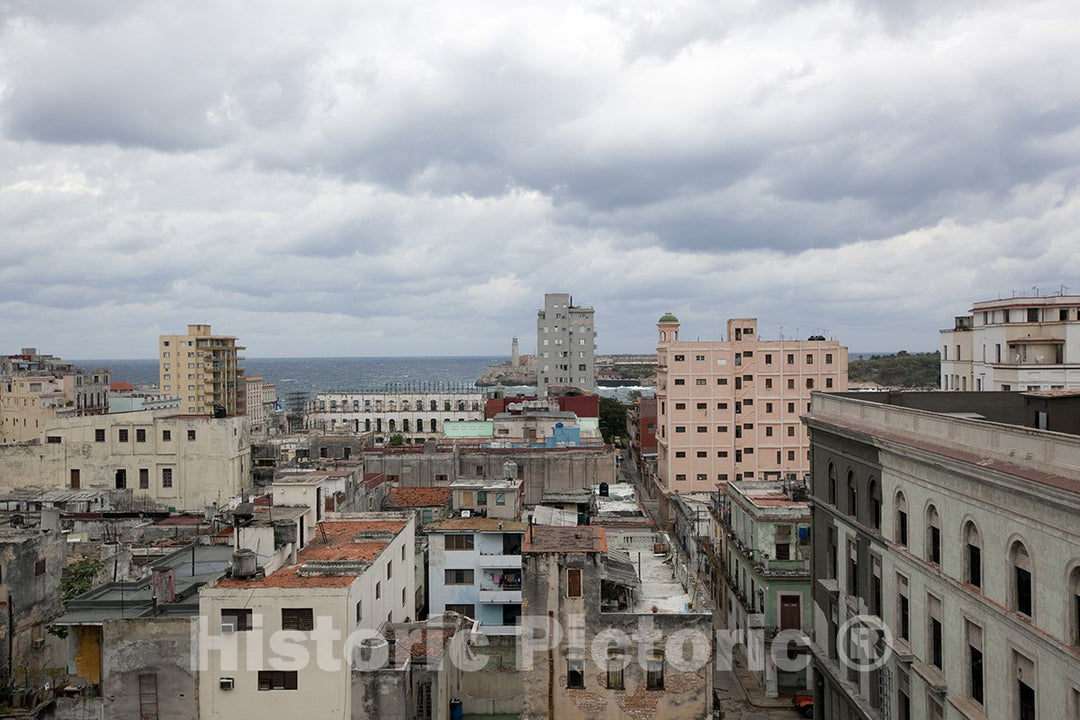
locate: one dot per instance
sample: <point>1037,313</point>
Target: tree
<point>612,419</point>
<point>396,440</point>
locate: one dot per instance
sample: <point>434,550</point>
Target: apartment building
<point>587,594</point>
<point>354,574</point>
<point>958,533</point>
<point>415,416</point>
<point>766,572</point>
<point>165,460</point>
<point>474,569</point>
<point>729,410</point>
<point>565,345</point>
<point>36,388</point>
<point>204,370</point>
<point>1019,343</point>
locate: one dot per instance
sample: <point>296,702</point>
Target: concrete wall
<point>28,601</point>
<point>543,469</point>
<point>161,647</point>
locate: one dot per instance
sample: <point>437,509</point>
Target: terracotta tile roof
<point>337,547</point>
<point>414,497</point>
<point>421,642</point>
<point>552,539</point>
<point>479,524</point>
<point>121,385</point>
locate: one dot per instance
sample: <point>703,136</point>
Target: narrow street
<point>733,701</point>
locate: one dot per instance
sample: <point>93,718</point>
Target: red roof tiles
<point>552,539</point>
<point>414,497</point>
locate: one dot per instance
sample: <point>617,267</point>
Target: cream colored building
<point>1020,343</point>
<point>164,459</point>
<point>37,388</point>
<point>729,410</point>
<point>416,416</point>
<point>203,370</point>
<point>349,576</point>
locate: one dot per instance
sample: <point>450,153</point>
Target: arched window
<point>1073,600</point>
<point>392,425</point>
<point>972,555</point>
<point>434,405</point>
<point>367,425</point>
<point>901,519</point>
<point>832,484</point>
<point>419,425</point>
<point>405,425</point>
<point>933,535</point>
<point>852,495</point>
<point>1022,580</point>
<point>873,493</point>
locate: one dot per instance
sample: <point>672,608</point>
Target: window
<point>873,493</point>
<point>166,477</point>
<point>615,666</point>
<point>680,428</point>
<point>721,381</point>
<point>975,661</point>
<point>39,567</point>
<point>903,608</point>
<point>140,435</point>
<point>680,477</point>
<point>573,582</point>
<point>700,381</point>
<point>703,453</point>
<point>768,431</point>
<point>702,428</point>
<point>791,359</point>
<point>1021,598</point>
<point>359,611</point>
<point>122,435</point>
<point>853,569</point>
<point>99,435</point>
<point>238,618</point>
<point>680,381</point>
<point>459,577</point>
<point>481,497</point>
<point>791,384</point>
<point>832,484</point>
<point>699,358</point>
<point>828,382</point>
<point>933,536</point>
<point>680,453</point>
<point>144,478</point>
<point>809,359</point>
<point>972,555</point>
<point>768,383</point>
<point>166,435</point>
<point>654,671</point>
<point>1073,585</point>
<point>575,673</point>
<point>297,619</point>
<point>121,479</point>
<point>680,406</point>
<point>809,383</point>
<point>378,589</point>
<point>389,569</point>
<point>277,680</point>
<point>468,611</point>
<point>191,435</point>
<point>680,358</point>
<point>852,495</point>
<point>901,519</point>
<point>935,640</point>
<point>828,358</point>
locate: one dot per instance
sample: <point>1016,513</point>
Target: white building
<point>565,345</point>
<point>350,575</point>
<point>474,569</point>
<point>416,416</point>
<point>1020,343</point>
<point>960,535</point>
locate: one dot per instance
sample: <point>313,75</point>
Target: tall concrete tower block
<point>565,345</point>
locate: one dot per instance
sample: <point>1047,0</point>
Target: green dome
<point>668,318</point>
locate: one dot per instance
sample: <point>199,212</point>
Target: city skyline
<point>389,180</point>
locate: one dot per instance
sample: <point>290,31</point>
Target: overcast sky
<point>409,178</point>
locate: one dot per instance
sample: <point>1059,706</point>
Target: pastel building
<point>1019,343</point>
<point>730,409</point>
<point>474,569</point>
<point>203,370</point>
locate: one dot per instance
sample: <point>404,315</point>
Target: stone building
<point>729,410</point>
<point>415,416</point>
<point>604,640</point>
<point>565,345</point>
<point>35,389</point>
<point>166,460</point>
<point>204,370</point>
<point>1019,343</point>
<point>542,468</point>
<point>957,533</point>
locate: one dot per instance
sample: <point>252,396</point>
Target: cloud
<point>388,178</point>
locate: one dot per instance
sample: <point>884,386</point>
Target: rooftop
<point>552,539</point>
<point>477,524</point>
<point>418,497</point>
<point>768,495</point>
<point>339,553</point>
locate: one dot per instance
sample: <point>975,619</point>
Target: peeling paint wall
<point>159,650</point>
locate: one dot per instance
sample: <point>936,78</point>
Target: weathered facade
<point>35,389</point>
<point>958,535</point>
<point>204,370</point>
<point>565,345</point>
<point>415,416</point>
<point>165,460</point>
<point>603,643</point>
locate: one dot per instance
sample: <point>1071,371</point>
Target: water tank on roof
<point>244,564</point>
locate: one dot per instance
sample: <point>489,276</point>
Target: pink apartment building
<point>730,410</point>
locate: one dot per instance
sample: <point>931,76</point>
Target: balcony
<point>499,560</point>
<point>500,596</point>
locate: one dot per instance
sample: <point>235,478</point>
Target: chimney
<point>163,582</point>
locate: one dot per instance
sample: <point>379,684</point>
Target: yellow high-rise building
<point>203,370</point>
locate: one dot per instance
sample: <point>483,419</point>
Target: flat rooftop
<point>659,588</point>
<point>338,554</point>
<point>553,539</point>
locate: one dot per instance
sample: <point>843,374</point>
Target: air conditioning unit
<point>227,628</point>
<point>227,683</point>
<point>466,513</point>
